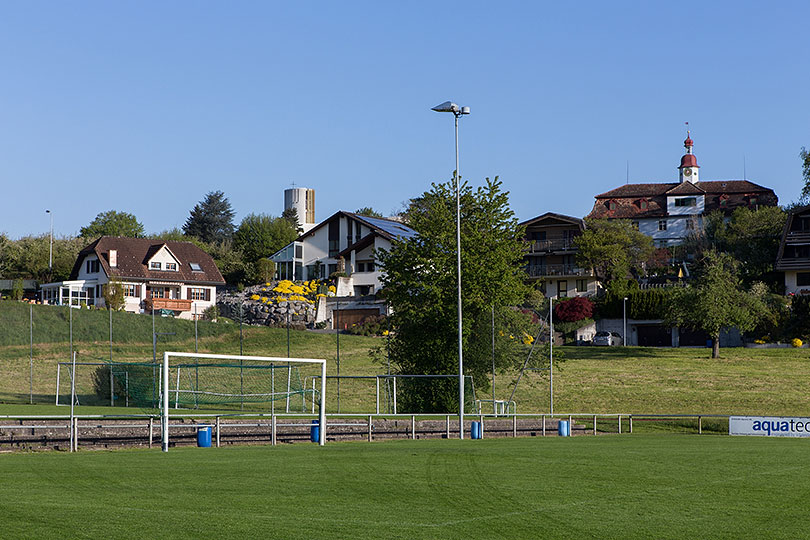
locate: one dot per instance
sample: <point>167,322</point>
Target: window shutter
<point>207,294</point>
<point>138,291</point>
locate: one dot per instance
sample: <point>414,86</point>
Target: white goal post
<point>166,385</point>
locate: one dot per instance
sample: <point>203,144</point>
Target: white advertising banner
<point>769,426</point>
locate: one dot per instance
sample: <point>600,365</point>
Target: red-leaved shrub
<point>575,309</point>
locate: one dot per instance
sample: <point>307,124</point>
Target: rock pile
<point>255,312</point>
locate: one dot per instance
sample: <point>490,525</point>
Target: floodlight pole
<point>624,317</point>
<point>50,250</point>
<point>164,419</point>
<point>457,113</point>
<point>551,355</point>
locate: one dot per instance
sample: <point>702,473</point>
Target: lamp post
<point>624,317</point>
<point>50,250</point>
<point>449,106</point>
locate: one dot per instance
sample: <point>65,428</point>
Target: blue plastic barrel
<point>564,428</point>
<point>204,437</point>
<point>315,432</point>
<point>475,430</point>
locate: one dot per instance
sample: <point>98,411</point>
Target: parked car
<point>607,339</point>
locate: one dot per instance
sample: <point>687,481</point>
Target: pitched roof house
<point>551,256</point>
<point>670,212</point>
<point>155,274</point>
<point>347,239</point>
<point>794,252</point>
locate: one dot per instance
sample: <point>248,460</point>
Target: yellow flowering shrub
<point>254,297</point>
<point>796,342</point>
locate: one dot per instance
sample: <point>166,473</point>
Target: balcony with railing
<point>557,270</point>
<point>545,246</point>
<point>174,304</point>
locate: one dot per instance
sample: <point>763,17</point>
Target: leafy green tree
<point>261,235</point>
<point>17,289</point>
<point>211,220</point>
<point>612,248</point>
<point>368,212</point>
<point>113,293</point>
<point>419,281</point>
<point>750,236</point>
<point>716,300</point>
<point>113,223</point>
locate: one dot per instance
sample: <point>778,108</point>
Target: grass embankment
<point>640,486</point>
<point>591,380</point>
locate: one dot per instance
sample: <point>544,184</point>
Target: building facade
<point>345,242</point>
<point>551,256</point>
<point>177,277</point>
<point>671,212</point>
<point>794,252</point>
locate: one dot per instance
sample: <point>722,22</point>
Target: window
<point>92,266</point>
<point>686,201</point>
<point>332,269</point>
<point>802,279</point>
<point>662,225</point>
<point>154,265</point>
<point>365,266</point>
<point>157,292</point>
<point>171,266</point>
<point>299,251</point>
<point>132,290</point>
<point>196,293</point>
<point>582,285</point>
<point>195,267</point>
<point>643,204</point>
<point>723,201</point>
<point>612,205</point>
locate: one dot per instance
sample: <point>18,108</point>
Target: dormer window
<point>171,266</point>
<point>612,205</point>
<point>752,200</point>
<point>723,201</point>
<point>154,265</point>
<point>686,201</point>
<point>195,267</point>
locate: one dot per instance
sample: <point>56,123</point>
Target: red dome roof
<point>688,160</point>
<point>688,141</point>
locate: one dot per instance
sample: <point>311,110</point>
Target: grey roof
<point>394,228</point>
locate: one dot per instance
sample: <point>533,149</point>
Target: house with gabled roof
<point>794,252</point>
<point>344,242</point>
<point>551,256</point>
<point>671,212</point>
<point>176,277</point>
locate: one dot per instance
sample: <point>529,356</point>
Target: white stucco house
<point>155,275</point>
<point>794,252</point>
<point>344,236</point>
<point>671,212</point>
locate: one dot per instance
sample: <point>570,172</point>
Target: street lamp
<point>449,106</point>
<point>624,316</point>
<point>50,251</point>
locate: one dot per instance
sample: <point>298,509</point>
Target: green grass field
<point>629,486</point>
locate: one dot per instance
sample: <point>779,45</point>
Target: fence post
<point>413,427</point>
<point>544,425</point>
<point>369,426</point>
<point>620,423</point>
<point>151,423</point>
<point>447,426</point>
<point>631,424</point>
<point>217,431</point>
<point>273,433</point>
<point>481,420</point>
<point>570,424</point>
<point>75,434</point>
<point>594,424</point>
<point>700,425</point>
<point>514,426</point>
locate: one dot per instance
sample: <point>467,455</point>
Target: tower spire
<point>688,168</point>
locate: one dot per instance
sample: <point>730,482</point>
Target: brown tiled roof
<point>134,253</point>
<point>626,198</point>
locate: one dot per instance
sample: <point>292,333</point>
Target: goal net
<point>229,381</point>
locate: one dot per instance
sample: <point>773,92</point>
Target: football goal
<point>193,378</point>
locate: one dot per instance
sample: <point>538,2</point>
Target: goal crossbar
<point>166,385</point>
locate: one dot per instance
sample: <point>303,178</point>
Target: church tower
<point>689,167</point>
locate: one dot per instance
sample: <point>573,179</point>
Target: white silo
<point>303,200</point>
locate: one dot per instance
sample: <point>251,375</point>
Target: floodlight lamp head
<point>465,110</point>
<point>447,106</point>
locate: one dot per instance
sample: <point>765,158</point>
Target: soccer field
<point>629,486</point>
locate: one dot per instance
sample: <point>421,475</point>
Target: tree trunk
<point>715,346</point>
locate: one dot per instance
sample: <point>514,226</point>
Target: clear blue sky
<point>144,106</point>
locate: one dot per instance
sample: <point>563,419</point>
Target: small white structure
<point>156,275</point>
<point>345,241</point>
